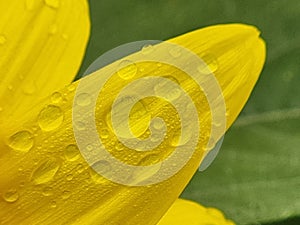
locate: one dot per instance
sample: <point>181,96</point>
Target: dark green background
<point>256,177</point>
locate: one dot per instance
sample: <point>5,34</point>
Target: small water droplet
<point>11,196</point>
<point>53,29</point>
<point>209,65</point>
<point>175,51</point>
<point>71,153</point>
<point>45,171</point>
<point>2,39</point>
<point>71,87</point>
<point>66,194</point>
<point>119,146</point>
<point>10,87</point>
<point>83,99</point>
<point>80,168</point>
<point>56,97</point>
<point>147,49</point>
<point>69,177</point>
<point>102,167</point>
<point>53,3</point>
<point>104,133</point>
<point>47,191</point>
<point>21,141</point>
<point>127,69</point>
<point>53,204</point>
<point>164,89</point>
<point>50,118</point>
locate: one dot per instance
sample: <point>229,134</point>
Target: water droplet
<point>80,168</point>
<point>56,97</point>
<point>53,204</point>
<point>53,3</point>
<point>139,118</point>
<point>175,51</point>
<point>21,141</point>
<point>127,69</point>
<point>53,29</point>
<point>164,89</point>
<point>45,171</point>
<point>83,99</point>
<point>158,124</point>
<point>30,4</point>
<point>69,177</point>
<point>104,133</point>
<point>2,39</point>
<point>100,167</point>
<point>11,196</point>
<point>71,87</point>
<point>50,118</point>
<point>209,65</point>
<point>119,146</point>
<point>10,87</point>
<point>72,152</point>
<point>66,194</point>
<point>147,49</point>
<point>47,191</point>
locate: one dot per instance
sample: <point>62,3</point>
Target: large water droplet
<point>11,196</point>
<point>53,3</point>
<point>50,118</point>
<point>71,152</point>
<point>21,141</point>
<point>2,39</point>
<point>127,70</point>
<point>83,99</point>
<point>45,171</point>
<point>209,65</point>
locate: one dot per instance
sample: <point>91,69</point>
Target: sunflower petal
<point>184,212</point>
<point>45,180</point>
<point>42,43</point>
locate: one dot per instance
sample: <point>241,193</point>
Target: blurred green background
<point>256,177</point>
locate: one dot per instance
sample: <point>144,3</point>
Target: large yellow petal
<point>42,43</point>
<point>184,212</point>
<point>44,179</point>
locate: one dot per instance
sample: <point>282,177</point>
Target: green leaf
<point>256,176</point>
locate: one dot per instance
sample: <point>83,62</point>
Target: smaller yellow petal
<point>184,212</point>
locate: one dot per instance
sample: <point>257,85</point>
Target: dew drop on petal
<point>56,97</point>
<point>127,69</point>
<point>50,118</point>
<point>66,194</point>
<point>53,204</point>
<point>71,152</point>
<point>21,141</point>
<point>47,191</point>
<point>11,196</point>
<point>147,49</point>
<point>83,99</point>
<point>45,171</point>
<point>209,65</point>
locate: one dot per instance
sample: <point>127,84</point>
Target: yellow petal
<point>42,43</point>
<point>184,212</point>
<point>45,180</point>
